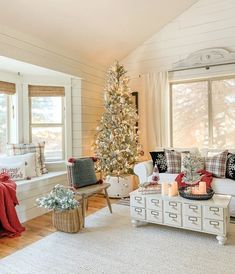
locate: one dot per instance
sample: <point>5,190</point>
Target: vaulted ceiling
<point>97,31</point>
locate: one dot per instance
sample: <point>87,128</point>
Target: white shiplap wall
<point>86,97</point>
<point>208,23</point>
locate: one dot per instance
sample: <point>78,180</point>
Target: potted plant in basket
<point>66,215</point>
<point>116,145</point>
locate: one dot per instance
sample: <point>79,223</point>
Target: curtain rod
<point>206,67</point>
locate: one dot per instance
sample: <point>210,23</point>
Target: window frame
<point>48,125</point>
<point>209,94</point>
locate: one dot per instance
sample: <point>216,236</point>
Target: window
<point>47,121</point>
<point>203,113</point>
<point>6,113</point>
<point>3,122</point>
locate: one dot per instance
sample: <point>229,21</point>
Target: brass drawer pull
<point>214,209</point>
<point>139,210</point>
<point>173,204</point>
<point>192,219</point>
<point>214,223</point>
<point>154,201</point>
<point>155,213</point>
<point>172,215</point>
<point>193,207</point>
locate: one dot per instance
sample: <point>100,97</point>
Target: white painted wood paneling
<point>86,98</point>
<point>206,24</point>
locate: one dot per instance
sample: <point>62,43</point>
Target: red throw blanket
<point>205,177</point>
<point>9,223</point>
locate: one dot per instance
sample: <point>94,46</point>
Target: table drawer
<point>154,216</point>
<point>213,226</point>
<point>173,207</point>
<point>153,203</point>
<point>214,212</point>
<point>192,210</point>
<point>193,222</point>
<point>172,219</point>
<point>137,200</point>
<point>138,213</point>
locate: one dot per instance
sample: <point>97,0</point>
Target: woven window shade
<point>7,88</point>
<point>45,91</point>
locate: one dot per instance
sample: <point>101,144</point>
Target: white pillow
<point>16,171</point>
<point>29,159</point>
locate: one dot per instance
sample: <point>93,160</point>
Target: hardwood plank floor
<point>41,227</point>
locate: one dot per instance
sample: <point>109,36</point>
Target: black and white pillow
<point>230,166</point>
<point>159,158</point>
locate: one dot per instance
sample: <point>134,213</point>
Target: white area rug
<point>111,245</point>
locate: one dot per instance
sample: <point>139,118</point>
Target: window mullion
<point>210,114</point>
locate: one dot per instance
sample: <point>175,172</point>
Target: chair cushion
<point>82,172</point>
<point>223,186</point>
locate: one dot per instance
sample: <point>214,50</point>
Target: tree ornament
<point>117,129</point>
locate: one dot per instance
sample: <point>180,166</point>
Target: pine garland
<point>116,145</point>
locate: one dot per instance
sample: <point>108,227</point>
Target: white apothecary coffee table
<point>210,216</point>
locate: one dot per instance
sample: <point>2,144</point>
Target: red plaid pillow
<point>173,159</point>
<point>217,164</point>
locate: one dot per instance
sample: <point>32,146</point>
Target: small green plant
<point>60,198</point>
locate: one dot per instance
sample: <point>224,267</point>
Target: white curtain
<point>156,118</point>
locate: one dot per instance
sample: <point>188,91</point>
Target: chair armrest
<point>143,170</point>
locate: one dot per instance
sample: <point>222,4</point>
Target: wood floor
<point>40,227</point>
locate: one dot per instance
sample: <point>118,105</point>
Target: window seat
<point>29,190</point>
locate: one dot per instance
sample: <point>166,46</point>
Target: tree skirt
<point>109,244</point>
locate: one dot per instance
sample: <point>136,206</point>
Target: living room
<point>58,71</point>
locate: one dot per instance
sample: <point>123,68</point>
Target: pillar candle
<point>173,189</point>
<point>202,187</point>
<point>165,188</point>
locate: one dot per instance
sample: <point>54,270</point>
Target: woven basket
<point>70,221</point>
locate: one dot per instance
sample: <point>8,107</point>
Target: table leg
<point>108,201</point>
<point>221,239</point>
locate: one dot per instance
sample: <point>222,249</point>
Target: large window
<point>203,113</point>
<point>47,121</point>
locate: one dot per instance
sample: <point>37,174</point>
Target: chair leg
<point>87,204</point>
<point>108,201</point>
<point>83,209</point>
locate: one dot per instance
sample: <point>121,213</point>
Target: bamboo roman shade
<point>43,91</point>
<point>7,88</point>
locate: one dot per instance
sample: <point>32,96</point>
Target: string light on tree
<point>116,144</point>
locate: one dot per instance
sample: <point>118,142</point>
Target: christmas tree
<point>116,145</point>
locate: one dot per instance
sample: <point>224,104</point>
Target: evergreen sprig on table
<point>60,198</point>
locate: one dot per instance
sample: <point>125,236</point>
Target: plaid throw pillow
<point>173,159</point>
<point>38,149</point>
<point>217,164</point>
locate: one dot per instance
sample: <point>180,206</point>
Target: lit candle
<point>202,187</point>
<point>165,188</point>
<point>175,187</point>
<point>195,190</point>
<point>171,191</point>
